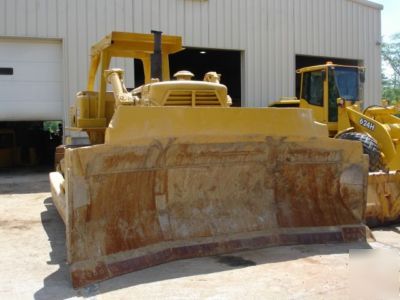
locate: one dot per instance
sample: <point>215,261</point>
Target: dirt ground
<point>33,260</point>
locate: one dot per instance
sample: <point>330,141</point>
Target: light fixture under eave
<point>203,52</point>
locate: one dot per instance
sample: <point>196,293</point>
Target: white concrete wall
<point>270,32</point>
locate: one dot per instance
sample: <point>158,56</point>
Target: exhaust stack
<point>156,57</point>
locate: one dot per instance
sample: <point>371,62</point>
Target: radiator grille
<point>192,98</point>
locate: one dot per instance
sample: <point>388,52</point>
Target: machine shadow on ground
<point>59,284</point>
<point>393,227</point>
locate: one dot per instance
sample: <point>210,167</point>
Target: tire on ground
<point>370,147</point>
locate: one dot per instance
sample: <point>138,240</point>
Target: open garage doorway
<point>29,144</point>
<point>200,61</point>
<point>31,95</point>
<point>307,61</point>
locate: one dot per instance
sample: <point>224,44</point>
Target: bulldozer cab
<point>128,45</point>
<point>93,110</point>
<point>327,88</point>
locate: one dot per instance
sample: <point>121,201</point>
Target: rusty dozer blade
<point>383,205</point>
<point>158,190</point>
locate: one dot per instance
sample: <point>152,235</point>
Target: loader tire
<point>370,147</point>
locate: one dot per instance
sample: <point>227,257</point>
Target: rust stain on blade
<point>174,199</point>
<point>383,202</point>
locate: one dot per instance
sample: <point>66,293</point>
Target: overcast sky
<point>390,17</point>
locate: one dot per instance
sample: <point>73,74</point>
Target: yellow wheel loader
<point>173,172</point>
<point>334,94</point>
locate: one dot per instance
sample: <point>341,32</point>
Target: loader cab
<point>328,89</point>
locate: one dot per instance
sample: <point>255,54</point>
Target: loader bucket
<point>184,182</point>
<point>383,205</point>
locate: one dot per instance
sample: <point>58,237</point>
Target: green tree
<point>391,55</point>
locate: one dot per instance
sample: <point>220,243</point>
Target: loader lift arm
<point>379,131</point>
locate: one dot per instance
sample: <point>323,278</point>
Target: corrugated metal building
<point>39,37</point>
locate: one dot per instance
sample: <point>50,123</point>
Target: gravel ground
<point>33,260</point>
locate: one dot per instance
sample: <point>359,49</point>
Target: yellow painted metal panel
<point>146,123</point>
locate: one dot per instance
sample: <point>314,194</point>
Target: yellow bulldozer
<point>334,93</point>
<point>174,172</point>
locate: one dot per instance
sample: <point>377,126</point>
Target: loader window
<point>347,82</point>
<point>313,89</point>
<point>333,96</point>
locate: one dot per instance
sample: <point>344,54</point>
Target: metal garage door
<point>30,80</point>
